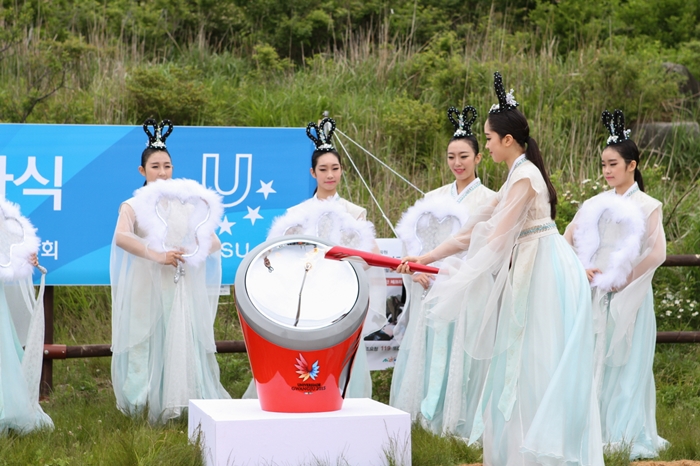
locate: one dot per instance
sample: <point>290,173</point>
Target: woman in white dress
<point>533,321</point>
<point>21,326</point>
<point>327,170</point>
<point>619,237</point>
<point>311,217</point>
<point>160,362</point>
<point>422,378</point>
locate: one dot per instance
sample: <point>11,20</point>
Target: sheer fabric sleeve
<point>654,249</point>
<point>215,243</point>
<point>570,230</point>
<point>126,238</point>
<point>376,276</point>
<point>626,302</point>
<point>471,288</point>
<point>22,301</point>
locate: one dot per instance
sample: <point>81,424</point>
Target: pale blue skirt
<point>539,400</point>
<point>424,368</point>
<point>17,411</point>
<point>628,394</point>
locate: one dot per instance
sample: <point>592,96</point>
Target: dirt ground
<point>666,463</point>
<point>641,463</point>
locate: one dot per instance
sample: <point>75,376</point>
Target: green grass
<point>619,457</point>
<point>429,449</point>
<point>90,431</point>
<point>677,373</point>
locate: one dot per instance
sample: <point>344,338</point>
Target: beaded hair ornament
<point>324,133</point>
<point>506,101</point>
<point>463,123</point>
<point>615,124</point>
<point>156,139</point>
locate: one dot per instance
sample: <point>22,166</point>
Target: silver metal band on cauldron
<point>286,336</point>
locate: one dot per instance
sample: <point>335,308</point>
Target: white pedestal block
<point>239,433</point>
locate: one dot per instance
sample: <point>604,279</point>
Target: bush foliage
<point>305,27</point>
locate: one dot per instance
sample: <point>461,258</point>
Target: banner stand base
<point>238,432</point>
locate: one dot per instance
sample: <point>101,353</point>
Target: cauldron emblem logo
<point>305,371</point>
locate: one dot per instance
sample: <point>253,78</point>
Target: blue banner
<point>69,180</point>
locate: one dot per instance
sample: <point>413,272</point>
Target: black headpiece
<point>506,101</point>
<point>156,139</point>
<point>324,133</point>
<point>463,123</point>
<point>615,124</point>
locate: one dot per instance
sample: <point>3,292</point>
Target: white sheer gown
<point>425,354</point>
<point>624,319</point>
<point>360,383</point>
<point>21,356</point>
<point>162,333</point>
<point>520,298</point>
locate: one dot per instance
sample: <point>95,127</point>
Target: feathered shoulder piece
<point>156,138</point>
<point>178,214</point>
<point>462,122</point>
<point>615,124</point>
<point>18,241</point>
<point>429,222</point>
<point>327,219</point>
<point>608,236</point>
<point>506,101</point>
<point>324,133</point>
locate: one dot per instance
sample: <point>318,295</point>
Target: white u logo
<point>237,176</point>
<point>238,252</point>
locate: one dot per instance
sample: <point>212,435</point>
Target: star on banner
<point>225,226</point>
<point>266,188</point>
<point>253,215</point>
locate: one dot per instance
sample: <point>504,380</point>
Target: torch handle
<point>376,260</point>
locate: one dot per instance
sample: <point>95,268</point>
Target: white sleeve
<point>127,240</point>
<point>492,223</point>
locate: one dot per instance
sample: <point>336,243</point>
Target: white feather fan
<point>623,244</point>
<point>327,220</point>
<point>178,214</point>
<point>18,241</point>
<point>429,222</point>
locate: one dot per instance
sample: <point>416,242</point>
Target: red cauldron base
<point>293,381</point>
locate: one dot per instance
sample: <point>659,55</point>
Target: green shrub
<point>267,59</point>
<point>688,54</point>
<point>411,126</point>
<point>167,91</point>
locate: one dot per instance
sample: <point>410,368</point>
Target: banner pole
<point>46,385</point>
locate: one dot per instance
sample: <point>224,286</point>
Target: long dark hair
<point>473,143</point>
<point>146,154</point>
<point>513,122</point>
<point>317,154</point>
<point>629,151</point>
